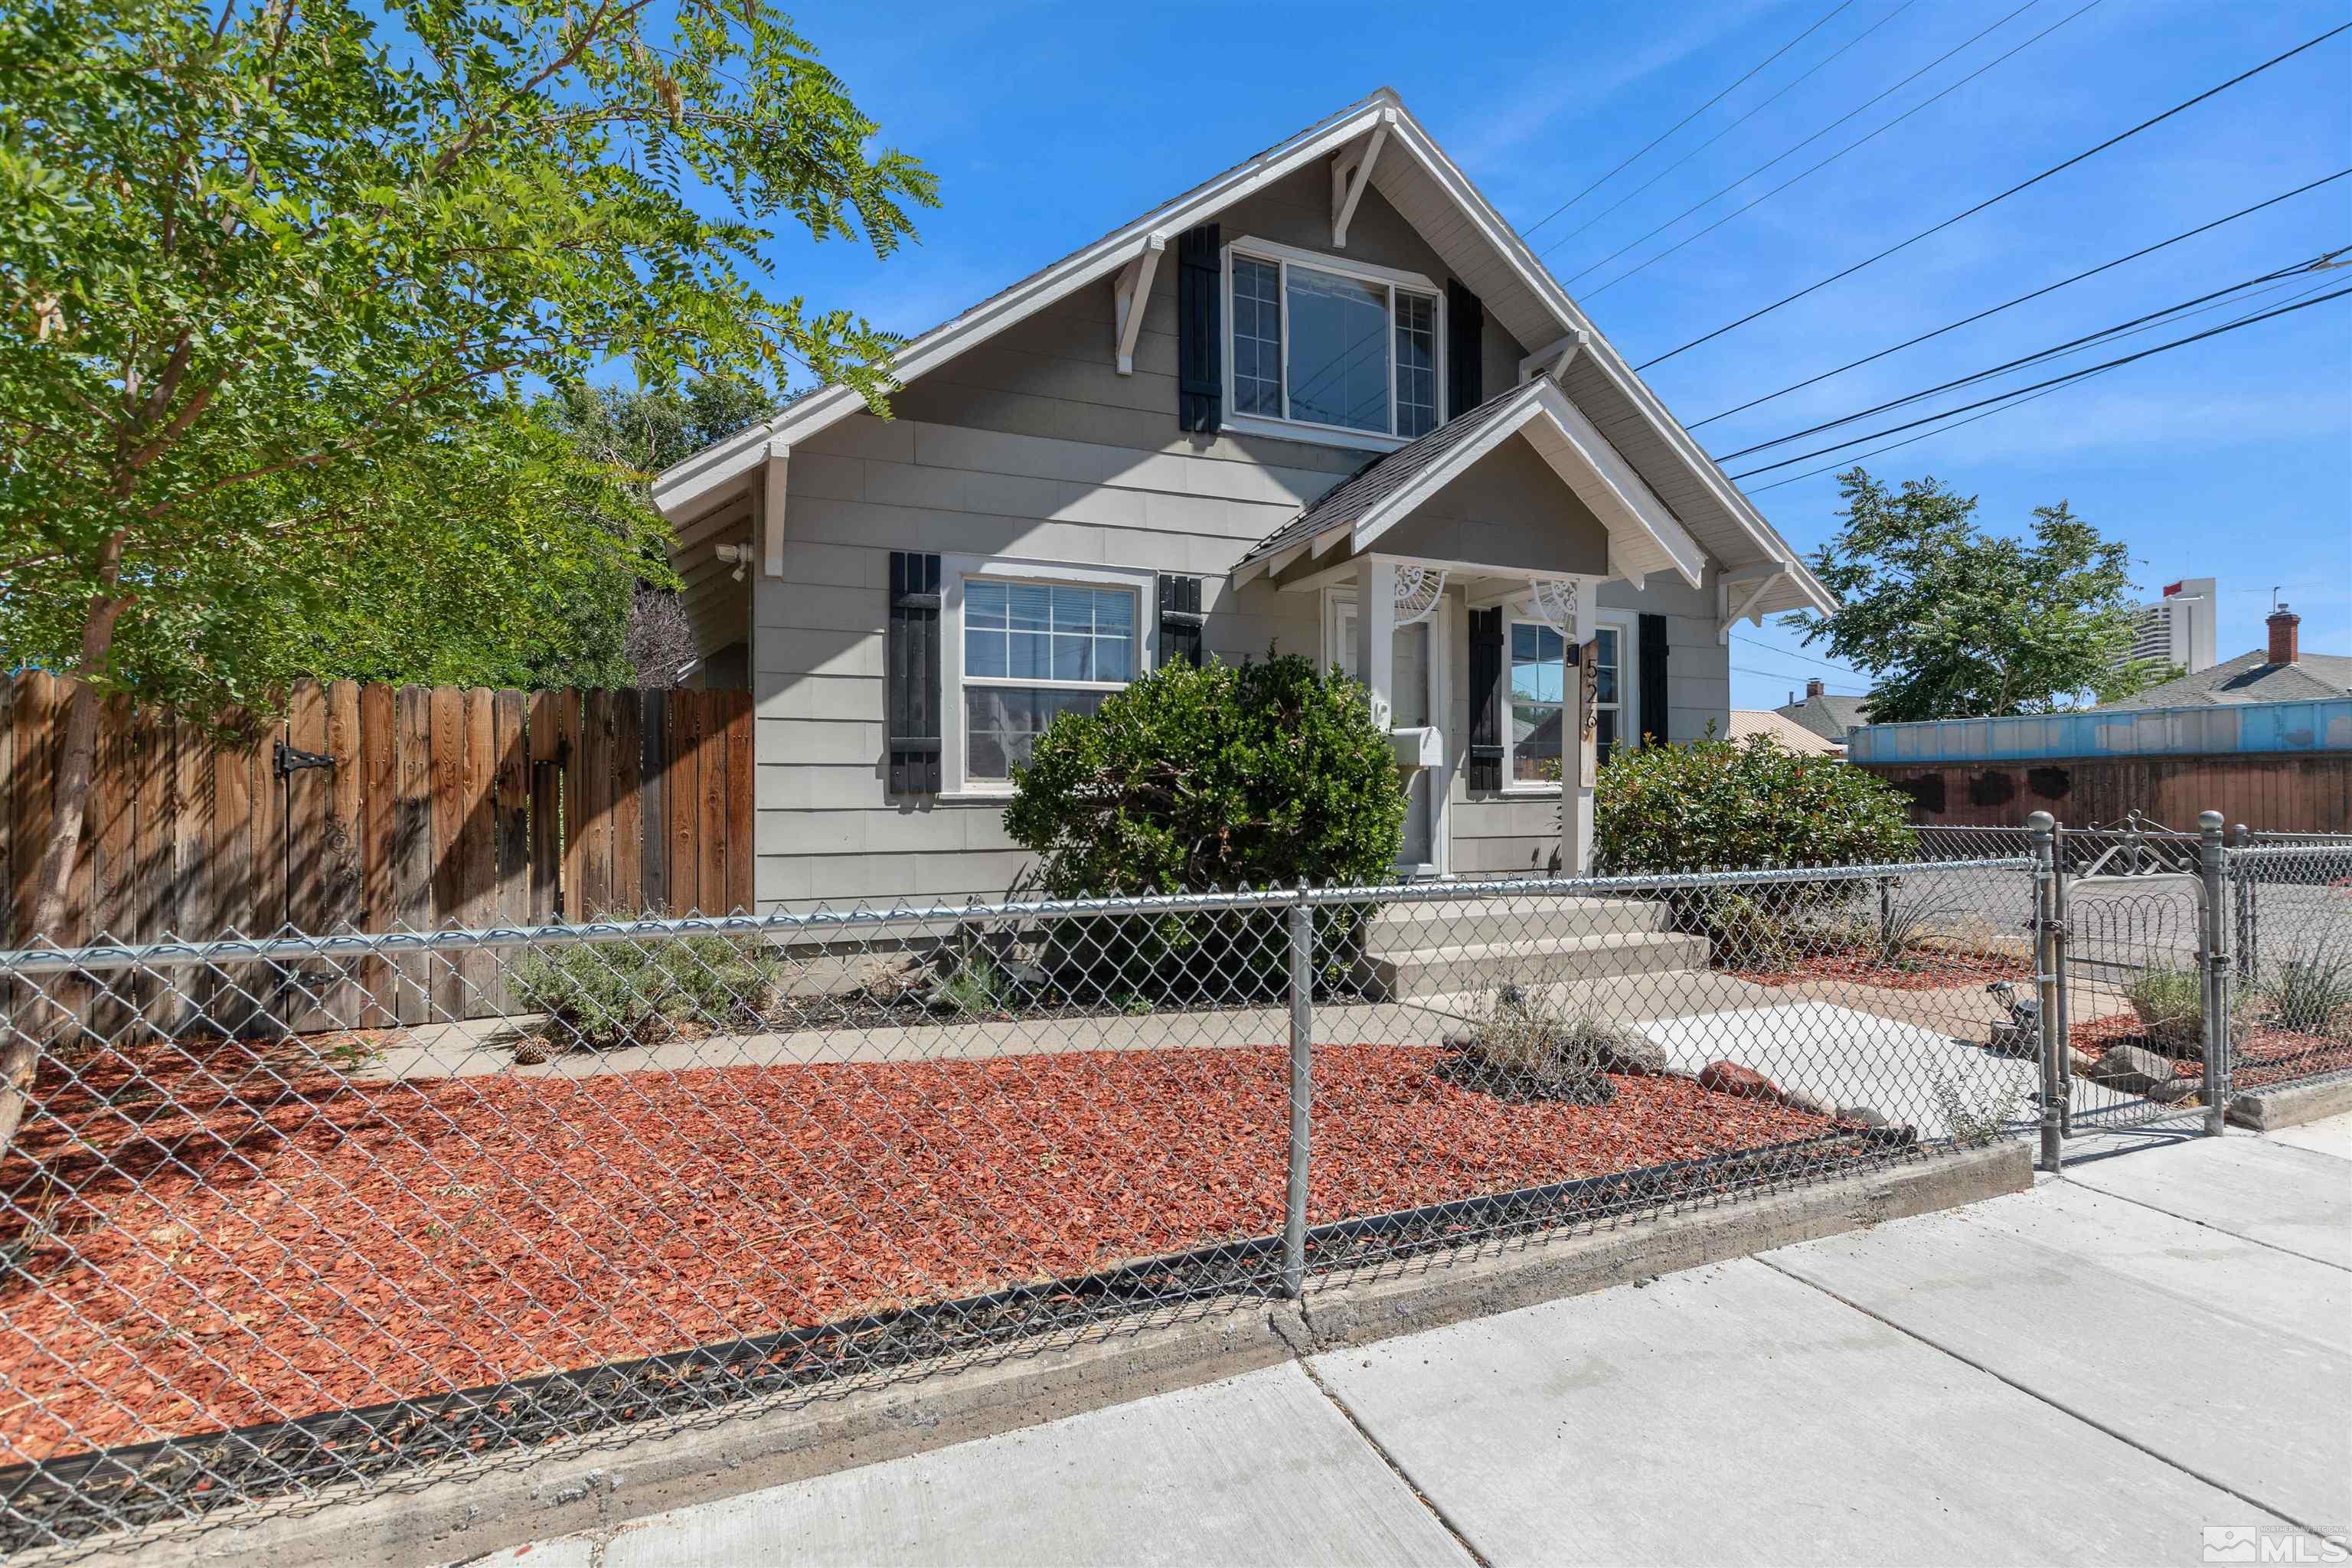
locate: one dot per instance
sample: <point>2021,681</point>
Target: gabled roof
<point>2249,678</point>
<point>1644,536</point>
<point>1828,717</point>
<point>1416,177</point>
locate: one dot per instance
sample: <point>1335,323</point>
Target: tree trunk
<point>29,1030</point>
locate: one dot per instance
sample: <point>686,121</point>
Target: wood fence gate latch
<point>290,761</point>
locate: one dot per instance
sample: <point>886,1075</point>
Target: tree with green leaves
<point>276,278</point>
<point>1955,622</point>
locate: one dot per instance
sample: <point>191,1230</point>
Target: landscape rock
<point>2131,1069</point>
<point>1863,1116</point>
<point>1730,1078</point>
<point>1631,1052</point>
<point>2081,1061</point>
<point>1811,1104</point>
<point>2175,1089</point>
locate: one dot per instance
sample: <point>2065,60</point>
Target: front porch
<point>1460,579</point>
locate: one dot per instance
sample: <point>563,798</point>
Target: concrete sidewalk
<point>2103,1369</point>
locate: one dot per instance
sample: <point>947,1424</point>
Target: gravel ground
<point>295,1242</point>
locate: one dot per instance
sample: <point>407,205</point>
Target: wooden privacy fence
<point>370,808</point>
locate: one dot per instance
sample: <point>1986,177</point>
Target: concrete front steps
<point>1425,952</point>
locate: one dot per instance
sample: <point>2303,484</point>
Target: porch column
<point>1376,635</point>
<point>1576,738</point>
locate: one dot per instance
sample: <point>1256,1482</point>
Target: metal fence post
<point>1302,1091</point>
<point>2058,949</point>
<point>2044,828</point>
<point>2217,975</point>
<point>2241,894</point>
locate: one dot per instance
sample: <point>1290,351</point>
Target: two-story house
<point>1325,402</point>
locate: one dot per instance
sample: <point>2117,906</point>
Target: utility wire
<point>1989,201</point>
<point>1785,653</point>
<point>1794,82</point>
<point>2053,381</point>
<point>2021,298</point>
<point>2313,265</point>
<point>1816,136</point>
<point>1686,119</point>
<point>1928,435</point>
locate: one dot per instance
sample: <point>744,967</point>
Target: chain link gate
<point>2135,926</point>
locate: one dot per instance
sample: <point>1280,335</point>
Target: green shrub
<point>609,995</point>
<point>1712,806</point>
<point>2171,1003</point>
<point>2310,991</point>
<point>1219,776</point>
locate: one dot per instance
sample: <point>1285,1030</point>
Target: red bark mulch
<point>219,1254</point>
<point>2263,1056</point>
<point>1920,971</point>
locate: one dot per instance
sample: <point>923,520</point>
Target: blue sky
<point>1051,124</point>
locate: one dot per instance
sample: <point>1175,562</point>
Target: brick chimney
<point>2283,623</point>
<point>1815,688</point>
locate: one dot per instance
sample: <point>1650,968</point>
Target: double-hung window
<point>1027,643</point>
<point>1538,703</point>
<point>1339,345</point>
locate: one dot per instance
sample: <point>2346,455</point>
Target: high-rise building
<point>2178,626</point>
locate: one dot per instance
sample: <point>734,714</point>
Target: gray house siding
<point>1032,445</point>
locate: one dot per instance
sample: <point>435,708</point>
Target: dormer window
<point>1337,346</point>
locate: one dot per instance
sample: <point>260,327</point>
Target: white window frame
<point>1628,705</point>
<point>1629,686</point>
<point>1443,634</point>
<point>955,780</point>
<point>1515,615</point>
<point>1283,257</point>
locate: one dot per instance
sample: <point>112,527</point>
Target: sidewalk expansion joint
<point>2225,1230</point>
<point>1401,1474</point>
<point>2060,1405</point>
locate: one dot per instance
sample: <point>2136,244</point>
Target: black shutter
<point>912,655</point>
<point>1485,698</point>
<point>1652,682</point>
<point>1180,620</point>
<point>1200,334</point>
<point>1465,350</point>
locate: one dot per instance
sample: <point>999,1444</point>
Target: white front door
<point>1418,701</point>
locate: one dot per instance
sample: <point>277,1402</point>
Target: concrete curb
<point>2291,1104</point>
<point>596,1484</point>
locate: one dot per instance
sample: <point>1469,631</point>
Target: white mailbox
<point>1419,746</point>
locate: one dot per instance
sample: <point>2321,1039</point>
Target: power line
<point>1686,119</point>
<point>1783,675</point>
<point>1791,86</point>
<point>1785,653</point>
<point>1817,135</point>
<point>2019,402</point>
<point>2054,381</point>
<point>2314,264</point>
<point>2021,298</point>
<point>2004,195</point>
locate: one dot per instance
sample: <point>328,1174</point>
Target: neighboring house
<point>1326,402</point>
<point>1784,733</point>
<point>2281,672</point>
<point>1831,718</point>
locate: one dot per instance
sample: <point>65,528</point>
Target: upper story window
<point>1339,345</point>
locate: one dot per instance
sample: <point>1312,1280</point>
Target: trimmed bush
<point>1711,805</point>
<point>1195,779</point>
<point>1217,776</point>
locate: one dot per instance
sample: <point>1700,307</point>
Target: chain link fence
<point>2290,1008</point>
<point>263,1244</point>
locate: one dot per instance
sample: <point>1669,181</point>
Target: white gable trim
<point>1644,536</point>
<point>683,489</point>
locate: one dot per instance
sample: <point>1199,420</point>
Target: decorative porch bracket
<point>1736,611</point>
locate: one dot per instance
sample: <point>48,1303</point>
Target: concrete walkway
<point>2150,1361</point>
